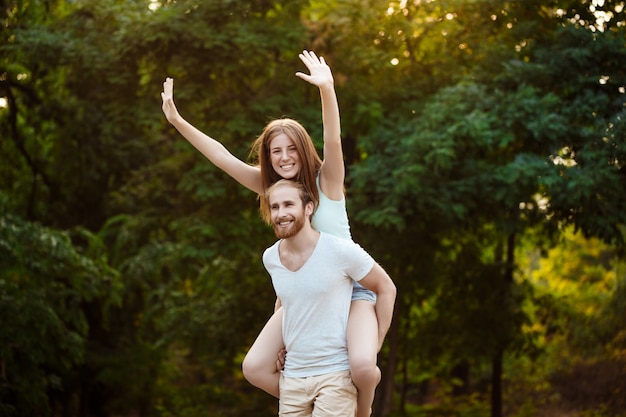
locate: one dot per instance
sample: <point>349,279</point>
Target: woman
<point>285,150</point>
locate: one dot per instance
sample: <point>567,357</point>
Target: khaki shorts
<point>330,395</point>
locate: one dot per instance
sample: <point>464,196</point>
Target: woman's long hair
<point>310,162</point>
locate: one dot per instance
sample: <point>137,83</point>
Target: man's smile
<point>284,222</point>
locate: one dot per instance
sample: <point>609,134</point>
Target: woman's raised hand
<point>167,95</point>
<point>320,73</point>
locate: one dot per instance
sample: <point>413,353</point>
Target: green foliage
<point>573,284</point>
<point>49,288</point>
<point>506,147</point>
<point>574,313</point>
<point>470,406</point>
<point>467,127</point>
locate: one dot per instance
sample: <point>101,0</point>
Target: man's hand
<point>280,362</point>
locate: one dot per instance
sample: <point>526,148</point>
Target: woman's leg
<point>362,351</point>
<point>259,366</point>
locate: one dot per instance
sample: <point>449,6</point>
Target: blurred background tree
<point>485,146</point>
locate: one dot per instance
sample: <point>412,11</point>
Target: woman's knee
<point>252,369</point>
<point>364,369</point>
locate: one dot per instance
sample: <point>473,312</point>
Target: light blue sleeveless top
<point>331,216</point>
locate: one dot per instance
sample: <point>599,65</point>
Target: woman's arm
<point>247,175</point>
<point>332,174</point>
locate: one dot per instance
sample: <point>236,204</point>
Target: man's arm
<point>378,280</point>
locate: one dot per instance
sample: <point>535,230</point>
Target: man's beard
<point>285,233</point>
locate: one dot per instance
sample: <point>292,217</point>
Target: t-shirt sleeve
<point>265,257</point>
<point>270,257</point>
<point>357,262</point>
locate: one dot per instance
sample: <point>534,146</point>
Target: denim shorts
<point>359,292</point>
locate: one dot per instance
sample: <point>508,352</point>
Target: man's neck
<point>302,241</point>
<point>295,251</point>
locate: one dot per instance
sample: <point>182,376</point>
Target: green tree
<point>490,145</point>
<point>88,145</point>
<point>466,125</point>
<point>54,285</point>
<point>576,315</point>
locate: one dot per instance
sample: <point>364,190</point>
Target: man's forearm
<point>385,302</point>
<point>379,281</point>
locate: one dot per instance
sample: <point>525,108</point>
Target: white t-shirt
<point>331,216</point>
<point>316,303</point>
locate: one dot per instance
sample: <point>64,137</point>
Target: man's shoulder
<point>330,239</point>
<point>337,242</point>
<point>346,254</point>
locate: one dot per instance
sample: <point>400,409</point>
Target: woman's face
<point>284,156</point>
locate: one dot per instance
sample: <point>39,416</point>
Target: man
<point>313,275</point>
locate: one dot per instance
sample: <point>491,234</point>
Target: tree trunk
<point>496,365</point>
<point>496,384</point>
<point>460,373</point>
